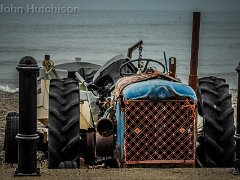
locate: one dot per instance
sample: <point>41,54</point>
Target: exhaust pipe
<point>104,138</point>
<point>172,67</point>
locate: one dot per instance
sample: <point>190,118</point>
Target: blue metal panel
<point>120,128</point>
<point>158,89</point>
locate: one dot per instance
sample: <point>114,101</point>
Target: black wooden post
<point>27,136</point>
<point>236,171</point>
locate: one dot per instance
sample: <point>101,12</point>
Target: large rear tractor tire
<point>10,142</point>
<point>216,144</point>
<point>64,113</point>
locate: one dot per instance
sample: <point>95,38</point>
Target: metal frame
<point>160,132</point>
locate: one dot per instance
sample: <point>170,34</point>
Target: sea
<point>98,35</point>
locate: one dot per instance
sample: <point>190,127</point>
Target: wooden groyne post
<point>194,51</point>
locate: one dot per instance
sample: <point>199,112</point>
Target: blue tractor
<point>129,113</point>
<point>146,117</point>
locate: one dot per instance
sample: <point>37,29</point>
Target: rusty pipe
<point>104,145</point>
<point>172,67</point>
<point>194,51</point>
<point>105,127</point>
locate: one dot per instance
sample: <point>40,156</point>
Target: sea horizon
<point>98,35</point>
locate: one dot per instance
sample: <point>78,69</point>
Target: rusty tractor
<point>128,113</point>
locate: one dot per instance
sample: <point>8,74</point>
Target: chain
<point>140,52</point>
<point>140,58</point>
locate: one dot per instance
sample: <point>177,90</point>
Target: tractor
<point>129,112</point>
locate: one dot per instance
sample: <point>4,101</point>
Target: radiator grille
<point>159,131</point>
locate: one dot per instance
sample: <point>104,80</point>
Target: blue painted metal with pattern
<point>155,89</point>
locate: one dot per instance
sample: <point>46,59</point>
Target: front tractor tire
<point>217,145</point>
<point>64,115</point>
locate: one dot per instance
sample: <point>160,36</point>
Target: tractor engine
<point>156,121</point>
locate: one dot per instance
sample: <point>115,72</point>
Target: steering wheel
<point>144,69</point>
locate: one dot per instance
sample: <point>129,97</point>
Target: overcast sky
<point>190,5</point>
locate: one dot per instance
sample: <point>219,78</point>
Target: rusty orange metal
<point>160,132</point>
<point>194,51</point>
